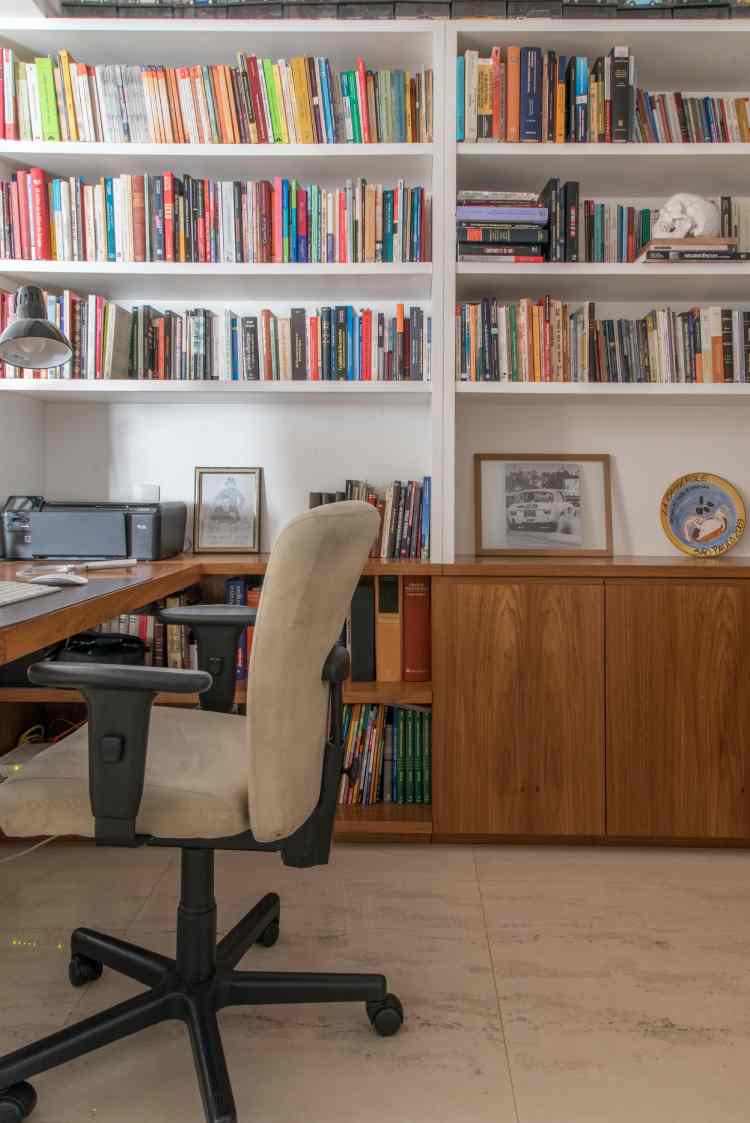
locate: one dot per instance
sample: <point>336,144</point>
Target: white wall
<point>651,444</point>
<point>21,447</point>
<point>96,451</point>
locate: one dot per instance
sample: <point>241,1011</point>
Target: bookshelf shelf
<point>221,161</point>
<point>706,283</point>
<point>392,821</point>
<point>616,169</point>
<point>115,390</point>
<point>161,281</point>
<point>596,392</point>
<point>390,693</point>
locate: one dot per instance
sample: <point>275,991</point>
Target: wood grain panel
<point>518,707</point>
<point>678,709</point>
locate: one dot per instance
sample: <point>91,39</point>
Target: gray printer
<point>94,530</point>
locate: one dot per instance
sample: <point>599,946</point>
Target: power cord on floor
<point>30,850</point>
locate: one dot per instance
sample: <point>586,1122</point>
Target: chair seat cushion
<point>195,784</point>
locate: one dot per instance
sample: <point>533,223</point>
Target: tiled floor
<point>541,985</point>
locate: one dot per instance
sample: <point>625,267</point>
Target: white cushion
<point>195,785</point>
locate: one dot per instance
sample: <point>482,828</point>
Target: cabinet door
<point>518,684</point>
<point>678,709</point>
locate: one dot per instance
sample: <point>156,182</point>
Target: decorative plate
<point>703,515</point>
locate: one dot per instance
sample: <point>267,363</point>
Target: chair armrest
<point>336,666</point>
<point>113,676</point>
<point>119,701</point>
<point>209,615</point>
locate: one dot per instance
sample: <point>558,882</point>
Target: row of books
<point>181,219</point>
<point>258,101</point>
<point>677,118</point>
<point>98,329</point>
<point>325,344</point>
<point>388,631</point>
<point>546,341</point>
<point>166,645</point>
<point>391,750</point>
<point>527,94</point>
<point>713,248</point>
<point>404,509</point>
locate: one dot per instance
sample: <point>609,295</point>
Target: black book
<point>727,343</point>
<point>570,98</point>
<point>486,372</point>
<point>468,250</point>
<point>362,624</point>
<point>157,218</point>
<point>250,337</point>
<point>620,97</point>
<point>550,197</point>
<point>341,343</point>
<point>325,344</point>
<point>299,345</point>
<point>570,204</point>
<point>519,233</point>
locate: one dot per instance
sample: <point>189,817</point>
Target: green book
<point>409,779</point>
<point>212,115</point>
<point>427,759</point>
<point>401,758</point>
<point>351,85</point>
<point>273,103</point>
<point>418,754</point>
<point>45,81</point>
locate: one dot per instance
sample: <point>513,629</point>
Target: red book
<point>631,234</point>
<point>278,234</point>
<point>22,179</point>
<point>495,57</point>
<point>362,91</point>
<point>2,100</point>
<point>40,213</point>
<point>251,64</point>
<point>312,349</point>
<point>367,335</point>
<point>302,223</point>
<point>169,216</point>
<point>265,320</point>
<point>99,345</point>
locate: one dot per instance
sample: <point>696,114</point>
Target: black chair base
<point>192,988</point>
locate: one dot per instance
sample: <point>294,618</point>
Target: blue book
<point>460,99</point>
<point>531,94</point>
<point>426,502</point>
<point>387,226</point>
<point>349,342</point>
<point>325,73</point>
<point>582,98</point>
<point>399,109</point>
<point>235,351</point>
<point>293,221</point>
<point>109,202</point>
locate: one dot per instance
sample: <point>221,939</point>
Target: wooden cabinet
<point>518,683</point>
<point>678,709</point>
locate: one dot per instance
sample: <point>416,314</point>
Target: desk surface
<point>28,626</point>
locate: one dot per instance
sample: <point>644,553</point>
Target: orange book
<point>513,96</point>
<point>161,93</point>
<point>175,108</point>
<point>231,104</point>
<point>302,99</point>
<point>388,629</point>
<point>139,218</point>
<point>218,100</point>
<point>536,325</point>
<point>717,344</point>
<point>559,105</point>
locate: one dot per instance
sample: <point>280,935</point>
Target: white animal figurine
<point>687,216</point>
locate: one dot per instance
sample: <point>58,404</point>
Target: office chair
<point>203,781</point>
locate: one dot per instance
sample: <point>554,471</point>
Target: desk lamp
<point>31,340</point>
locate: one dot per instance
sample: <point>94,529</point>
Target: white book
<point>9,87</point>
<point>471,61</point>
<point>65,248</point>
<point>91,337</point>
<point>35,108</point>
<point>22,102</point>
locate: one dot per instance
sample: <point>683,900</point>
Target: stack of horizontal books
<point>512,225</point>
<point>712,248</point>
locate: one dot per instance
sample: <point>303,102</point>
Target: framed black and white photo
<point>227,510</point>
<point>542,504</point>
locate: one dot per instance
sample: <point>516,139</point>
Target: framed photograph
<point>542,504</point>
<point>227,510</point>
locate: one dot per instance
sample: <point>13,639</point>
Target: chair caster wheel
<point>17,1102</point>
<point>386,1016</point>
<point>82,970</point>
<point>269,935</point>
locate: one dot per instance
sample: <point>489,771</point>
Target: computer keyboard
<point>11,592</point>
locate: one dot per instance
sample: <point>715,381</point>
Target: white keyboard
<point>11,592</point>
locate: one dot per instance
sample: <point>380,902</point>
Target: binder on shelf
<point>388,628</point>
<point>416,663</point>
<point>362,632</point>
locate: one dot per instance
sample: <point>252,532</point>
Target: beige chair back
<point>313,571</point>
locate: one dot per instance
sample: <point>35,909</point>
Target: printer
<point>101,529</point>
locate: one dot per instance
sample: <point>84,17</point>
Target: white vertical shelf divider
<point>449,293</point>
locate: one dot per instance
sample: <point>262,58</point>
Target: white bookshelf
<point>315,435</point>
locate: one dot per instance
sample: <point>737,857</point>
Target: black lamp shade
<point>31,340</point>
